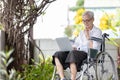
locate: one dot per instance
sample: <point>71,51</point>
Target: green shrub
<point>39,71</point>
<point>5,62</point>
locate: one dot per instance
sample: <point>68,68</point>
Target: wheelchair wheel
<point>87,73</point>
<point>105,67</point>
<point>57,77</point>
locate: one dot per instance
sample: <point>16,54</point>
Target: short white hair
<point>89,13</point>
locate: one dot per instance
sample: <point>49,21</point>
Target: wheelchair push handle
<point>105,35</point>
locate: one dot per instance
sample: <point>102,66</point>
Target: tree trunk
<point>118,62</point>
<point>17,18</point>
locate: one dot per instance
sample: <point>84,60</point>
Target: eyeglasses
<point>87,20</point>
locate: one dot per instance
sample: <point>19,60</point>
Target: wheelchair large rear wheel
<point>105,67</point>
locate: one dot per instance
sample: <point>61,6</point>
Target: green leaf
<point>113,42</point>
<point>3,62</point>
<point>9,61</point>
<point>12,74</point>
<point>1,27</point>
<point>9,53</point>
<point>2,54</point>
<point>80,2</point>
<point>75,8</point>
<point>113,28</point>
<point>3,71</point>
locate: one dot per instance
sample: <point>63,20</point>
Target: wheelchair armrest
<point>96,39</point>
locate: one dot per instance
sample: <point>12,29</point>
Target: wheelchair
<point>105,65</point>
<point>96,66</point>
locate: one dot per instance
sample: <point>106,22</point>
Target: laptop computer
<point>64,44</point>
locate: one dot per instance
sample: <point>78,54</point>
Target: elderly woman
<point>73,59</point>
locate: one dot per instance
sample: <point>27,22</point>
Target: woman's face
<point>87,21</point>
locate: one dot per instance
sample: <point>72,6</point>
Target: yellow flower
<point>77,20</point>
<point>78,16</point>
<point>103,22</point>
<point>103,27</point>
<point>76,33</point>
<point>80,11</point>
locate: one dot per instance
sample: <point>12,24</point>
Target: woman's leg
<point>73,69</point>
<point>60,69</point>
<point>75,59</point>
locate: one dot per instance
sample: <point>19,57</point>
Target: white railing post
<point>2,44</point>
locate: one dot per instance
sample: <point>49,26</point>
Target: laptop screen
<point>64,44</point>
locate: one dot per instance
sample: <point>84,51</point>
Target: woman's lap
<point>76,57</point>
<point>61,55</point>
<point>66,57</point>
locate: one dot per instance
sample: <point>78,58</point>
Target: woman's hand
<point>74,48</point>
<point>88,37</point>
